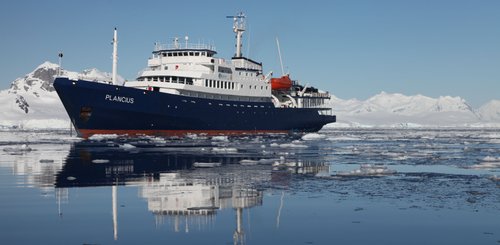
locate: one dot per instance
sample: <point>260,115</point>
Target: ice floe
<point>127,146</point>
<point>368,170</point>
<point>18,149</point>
<point>313,136</point>
<point>101,137</point>
<point>220,138</point>
<point>224,150</point>
<point>206,164</point>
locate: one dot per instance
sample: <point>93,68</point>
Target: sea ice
<point>19,149</point>
<point>313,136</point>
<point>224,150</point>
<point>248,162</point>
<point>206,164</point>
<point>126,146</point>
<point>368,170</point>
<point>220,138</point>
<point>100,137</point>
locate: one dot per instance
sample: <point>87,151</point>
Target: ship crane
<point>238,28</point>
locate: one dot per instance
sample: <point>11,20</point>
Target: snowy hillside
<point>397,110</point>
<point>490,112</point>
<point>31,101</point>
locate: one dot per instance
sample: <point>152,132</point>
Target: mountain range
<point>31,102</point>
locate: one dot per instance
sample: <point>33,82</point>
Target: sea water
<point>338,186</point>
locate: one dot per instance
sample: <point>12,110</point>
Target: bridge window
<point>196,53</point>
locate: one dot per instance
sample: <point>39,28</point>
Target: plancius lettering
<point>121,99</point>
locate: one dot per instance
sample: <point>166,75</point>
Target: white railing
<point>180,45</point>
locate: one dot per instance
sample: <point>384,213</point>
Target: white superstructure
<point>189,69</point>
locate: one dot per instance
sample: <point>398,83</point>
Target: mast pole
<point>115,56</point>
<point>279,53</point>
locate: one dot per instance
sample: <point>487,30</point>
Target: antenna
<point>238,28</point>
<point>186,38</point>
<point>279,53</point>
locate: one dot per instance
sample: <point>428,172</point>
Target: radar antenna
<point>238,28</point>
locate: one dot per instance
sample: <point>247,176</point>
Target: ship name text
<point>122,99</point>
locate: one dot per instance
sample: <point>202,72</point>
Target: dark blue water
<point>341,186</point>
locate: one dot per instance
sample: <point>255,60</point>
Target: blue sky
<point>352,48</point>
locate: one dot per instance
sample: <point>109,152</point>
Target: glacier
<point>32,103</point>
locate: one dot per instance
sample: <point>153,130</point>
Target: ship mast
<point>238,28</point>
<point>115,56</point>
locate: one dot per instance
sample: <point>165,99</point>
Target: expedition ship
<point>187,89</point>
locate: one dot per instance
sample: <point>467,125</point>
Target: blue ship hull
<point>99,108</point>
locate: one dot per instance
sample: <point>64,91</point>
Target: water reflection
<point>178,193</point>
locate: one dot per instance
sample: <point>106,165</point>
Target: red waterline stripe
<point>85,133</point>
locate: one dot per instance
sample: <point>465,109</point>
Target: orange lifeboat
<point>281,83</point>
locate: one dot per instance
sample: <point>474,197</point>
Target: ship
<point>187,89</point>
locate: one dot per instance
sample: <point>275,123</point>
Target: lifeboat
<point>281,83</point>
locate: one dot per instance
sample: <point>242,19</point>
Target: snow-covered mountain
<point>32,102</point>
<point>398,110</point>
<point>490,112</point>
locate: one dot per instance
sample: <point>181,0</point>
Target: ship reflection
<point>178,193</point>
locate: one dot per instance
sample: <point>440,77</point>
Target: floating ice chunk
<point>486,165</point>
<point>220,138</point>
<point>292,145</point>
<point>18,149</point>
<point>206,164</point>
<point>368,170</point>
<point>491,159</point>
<point>100,137</point>
<point>268,161</point>
<point>100,161</point>
<point>71,178</point>
<point>343,138</point>
<point>313,136</point>
<point>224,150</point>
<point>274,145</point>
<point>126,146</point>
<point>247,162</point>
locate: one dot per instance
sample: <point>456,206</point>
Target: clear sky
<point>352,48</point>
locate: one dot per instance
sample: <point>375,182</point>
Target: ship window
<point>261,87</point>
<point>206,83</point>
<point>185,53</point>
<point>191,54</point>
<point>196,53</point>
<point>203,53</point>
<point>169,54</point>
<point>241,85</point>
<point>174,54</point>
